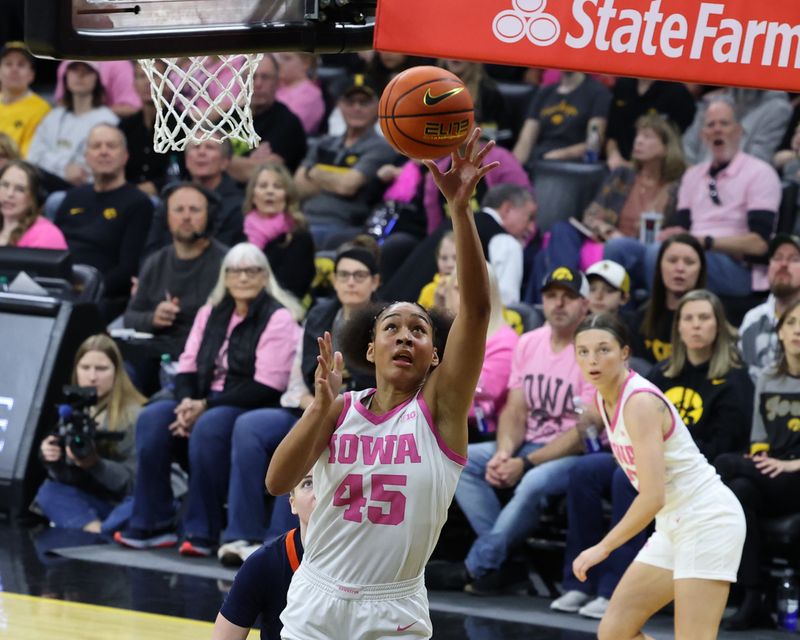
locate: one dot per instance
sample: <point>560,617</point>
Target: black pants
<point>761,496</point>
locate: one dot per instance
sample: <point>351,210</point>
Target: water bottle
<point>483,406</point>
<point>173,169</point>
<point>649,226</point>
<point>787,602</point>
<point>3,284</point>
<point>167,373</point>
<point>591,436</point>
<point>592,153</point>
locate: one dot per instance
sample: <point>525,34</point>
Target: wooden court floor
<point>25,617</point>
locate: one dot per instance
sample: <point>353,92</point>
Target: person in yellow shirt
<point>21,109</point>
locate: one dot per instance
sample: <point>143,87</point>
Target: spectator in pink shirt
<point>298,91</point>
<point>537,438</point>
<point>728,203</point>
<point>21,223</point>
<point>237,357</point>
<point>501,340</point>
<point>116,77</point>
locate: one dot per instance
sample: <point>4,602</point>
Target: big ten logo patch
<point>688,402</point>
<point>110,213</point>
<point>526,19</point>
<point>409,415</point>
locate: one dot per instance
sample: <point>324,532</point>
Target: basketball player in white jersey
<point>694,554</point>
<point>386,461</point>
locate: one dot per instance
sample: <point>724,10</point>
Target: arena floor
<point>84,591</point>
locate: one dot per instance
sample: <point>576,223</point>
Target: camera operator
<point>87,485</point>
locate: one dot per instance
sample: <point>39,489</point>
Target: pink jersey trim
<point>374,418</point>
<point>458,459</point>
<point>347,400</point>
<point>612,424</point>
<point>660,395</point>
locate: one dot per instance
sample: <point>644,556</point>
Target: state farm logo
<point>526,20</point>
<point>717,33</point>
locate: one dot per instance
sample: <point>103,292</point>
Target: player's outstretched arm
<point>309,437</point>
<point>450,388</point>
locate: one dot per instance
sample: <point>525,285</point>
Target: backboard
<point>117,29</point>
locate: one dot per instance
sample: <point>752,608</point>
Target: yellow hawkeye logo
<point>430,99</point>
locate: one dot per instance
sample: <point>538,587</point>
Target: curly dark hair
<point>359,331</point>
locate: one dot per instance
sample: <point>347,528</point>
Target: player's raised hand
<point>458,183</point>
<point>330,367</point>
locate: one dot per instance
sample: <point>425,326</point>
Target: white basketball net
<point>202,98</point>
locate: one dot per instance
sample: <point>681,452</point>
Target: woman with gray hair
<point>237,357</point>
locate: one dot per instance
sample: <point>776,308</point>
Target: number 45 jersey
<point>383,488</point>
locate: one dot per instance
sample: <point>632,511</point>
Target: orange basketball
<point>426,112</point>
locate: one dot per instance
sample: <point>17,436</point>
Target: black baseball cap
<point>17,46</point>
<point>358,83</point>
<point>568,278</point>
<point>781,239</point>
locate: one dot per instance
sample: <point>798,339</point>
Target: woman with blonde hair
<point>274,223</point>
<point>704,377</point>
<point>237,358</point>
<point>87,486</point>
<point>21,222</point>
<point>649,185</point>
<point>767,482</point>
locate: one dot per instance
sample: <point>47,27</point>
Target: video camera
<point>76,428</point>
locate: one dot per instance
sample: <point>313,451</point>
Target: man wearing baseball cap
<point>609,287</point>
<point>21,109</point>
<point>338,179</point>
<point>537,442</point>
<point>759,342</point>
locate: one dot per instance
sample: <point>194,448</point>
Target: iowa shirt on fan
<point>550,383</point>
<point>717,412</point>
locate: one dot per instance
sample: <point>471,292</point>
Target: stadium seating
<point>564,189</point>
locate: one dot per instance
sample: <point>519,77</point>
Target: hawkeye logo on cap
<point>562,273</point>
<point>429,99</point>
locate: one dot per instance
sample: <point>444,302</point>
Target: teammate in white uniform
<point>386,461</point>
<point>694,554</point>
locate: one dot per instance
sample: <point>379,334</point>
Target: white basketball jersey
<point>688,473</point>
<point>383,489</point>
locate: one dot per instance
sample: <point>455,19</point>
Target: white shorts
<point>320,608</point>
<point>701,539</point>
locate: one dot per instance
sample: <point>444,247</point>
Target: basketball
<point>426,112</point>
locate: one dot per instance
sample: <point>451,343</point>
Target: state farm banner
<point>735,42</point>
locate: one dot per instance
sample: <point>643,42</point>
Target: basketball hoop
<point>202,98</point>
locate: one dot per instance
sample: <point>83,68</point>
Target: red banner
<point>731,42</point>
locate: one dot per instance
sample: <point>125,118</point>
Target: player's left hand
<point>588,559</point>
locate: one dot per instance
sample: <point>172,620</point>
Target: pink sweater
<point>43,234</point>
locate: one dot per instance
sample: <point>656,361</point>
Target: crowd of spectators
<point>215,254</point>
